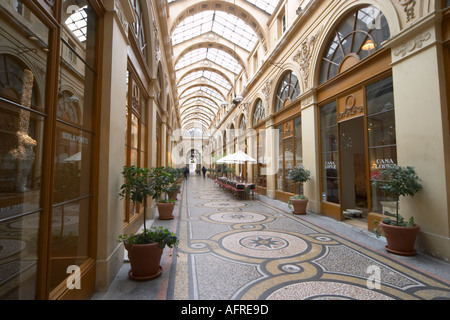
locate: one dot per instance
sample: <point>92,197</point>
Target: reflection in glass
<point>382,137</point>
<point>21,144</point>
<point>298,149</point>
<point>330,156</point>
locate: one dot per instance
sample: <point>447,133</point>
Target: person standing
<point>204,172</point>
<point>186,172</point>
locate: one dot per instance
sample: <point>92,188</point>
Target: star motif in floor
<point>264,243</point>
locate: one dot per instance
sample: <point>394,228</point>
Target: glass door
<point>353,167</point>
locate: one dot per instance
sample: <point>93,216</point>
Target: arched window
<point>259,113</point>
<point>288,90</point>
<point>358,36</point>
<point>138,28</point>
<point>68,108</point>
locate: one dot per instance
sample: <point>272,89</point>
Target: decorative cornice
<point>410,46</point>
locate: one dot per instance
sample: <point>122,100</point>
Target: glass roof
<point>200,101</point>
<point>209,75</point>
<point>77,23</point>
<point>215,55</point>
<point>202,82</point>
<point>266,5</point>
<point>204,91</point>
<point>223,24</point>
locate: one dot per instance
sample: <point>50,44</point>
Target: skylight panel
<point>215,55</point>
<point>77,23</point>
<point>203,90</point>
<point>226,25</point>
<point>266,5</point>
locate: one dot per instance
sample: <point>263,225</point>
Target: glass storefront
<point>329,153</point>
<point>345,143</point>
<point>45,198</point>
<point>290,148</point>
<point>23,60</point>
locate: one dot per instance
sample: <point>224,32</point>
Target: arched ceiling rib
<point>212,41</point>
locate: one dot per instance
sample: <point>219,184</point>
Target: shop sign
<point>330,165</point>
<point>75,138</point>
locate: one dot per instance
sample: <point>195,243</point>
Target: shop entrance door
<point>353,168</point>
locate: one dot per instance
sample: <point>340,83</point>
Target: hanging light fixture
<point>369,45</point>
<point>237,99</point>
<point>224,104</point>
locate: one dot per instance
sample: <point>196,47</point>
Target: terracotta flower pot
<point>400,240</point>
<point>173,195</point>
<point>144,260</point>
<point>299,206</point>
<point>165,210</point>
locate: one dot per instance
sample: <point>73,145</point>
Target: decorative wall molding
<point>304,56</point>
<point>412,45</point>
<point>157,43</point>
<point>267,89</point>
<point>409,9</point>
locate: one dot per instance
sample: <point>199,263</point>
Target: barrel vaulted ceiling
<point>212,41</point>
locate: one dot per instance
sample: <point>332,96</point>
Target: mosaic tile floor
<point>247,249</point>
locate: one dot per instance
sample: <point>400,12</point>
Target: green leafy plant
<point>399,181</point>
<point>136,186</point>
<point>158,235</point>
<point>160,182</point>
<point>299,175</point>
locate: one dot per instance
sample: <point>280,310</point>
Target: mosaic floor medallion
<point>326,290</point>
<point>237,217</point>
<point>223,204</point>
<point>264,244</point>
<point>211,197</point>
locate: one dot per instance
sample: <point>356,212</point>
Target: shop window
<point>381,138</point>
<point>290,148</point>
<point>357,37</point>
<point>261,178</point>
<point>288,90</point>
<point>135,140</point>
<point>329,153</point>
<point>259,113</point>
<point>22,125</point>
<point>74,140</point>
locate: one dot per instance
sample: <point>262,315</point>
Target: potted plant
<point>144,249</point>
<point>299,202</point>
<point>400,234</point>
<point>160,181</point>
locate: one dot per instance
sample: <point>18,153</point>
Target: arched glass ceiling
<point>223,24</point>
<point>215,55</point>
<point>209,75</point>
<point>193,109</point>
<point>266,5</point>
<point>203,90</point>
<point>200,101</point>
